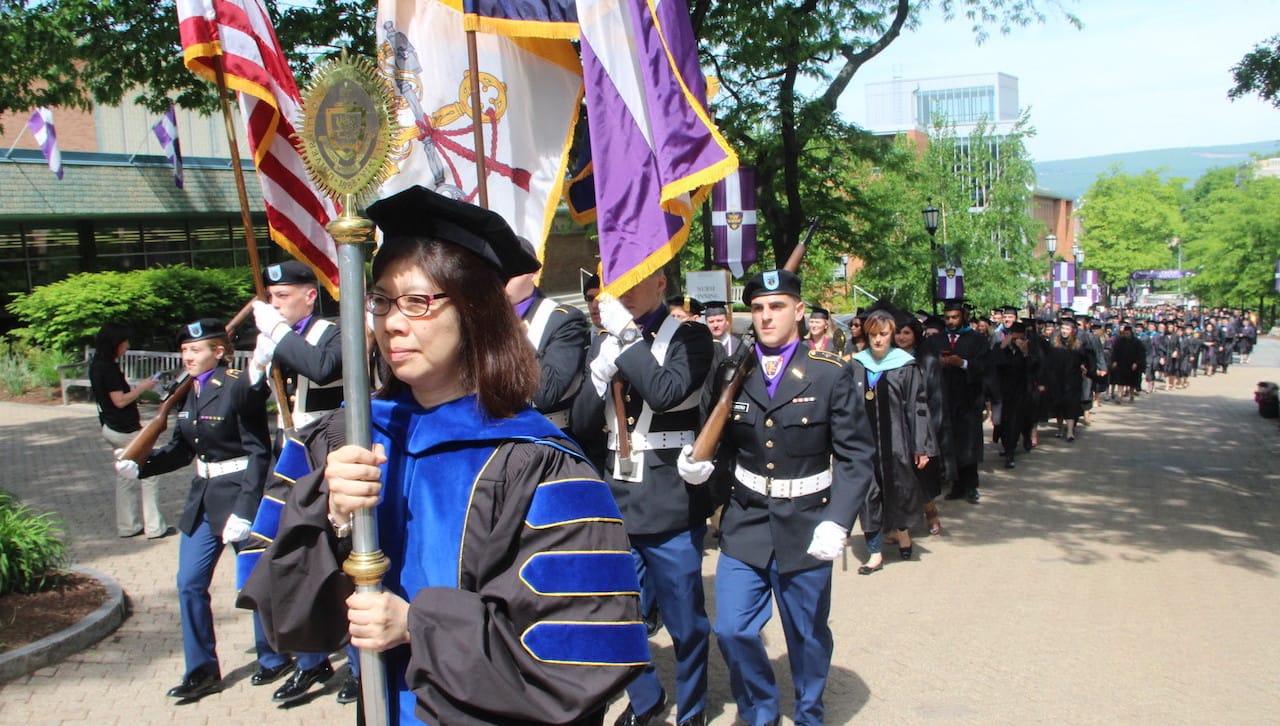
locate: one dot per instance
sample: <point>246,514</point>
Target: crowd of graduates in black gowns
<point>1018,373</point>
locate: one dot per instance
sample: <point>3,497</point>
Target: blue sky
<point>1140,74</point>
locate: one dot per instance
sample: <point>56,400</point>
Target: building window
<point>957,105</point>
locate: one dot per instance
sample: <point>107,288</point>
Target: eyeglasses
<point>416,305</point>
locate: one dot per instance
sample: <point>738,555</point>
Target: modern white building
<point>910,104</point>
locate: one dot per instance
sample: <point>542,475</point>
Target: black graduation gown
<point>1063,379</point>
<point>1128,360</point>
<point>899,417</point>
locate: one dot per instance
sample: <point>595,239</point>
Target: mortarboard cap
<point>1018,327</point>
<point>820,313</point>
<point>955,304</point>
<point>418,212</point>
<point>289,272</point>
<point>690,305</point>
<point>202,329</point>
<point>715,307</point>
<point>771,282</point>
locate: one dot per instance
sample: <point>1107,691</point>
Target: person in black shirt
<point>118,413</point>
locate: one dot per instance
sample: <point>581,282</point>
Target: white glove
<point>266,318</point>
<point>127,468</point>
<point>605,365</point>
<point>828,541</point>
<point>694,472</point>
<point>264,351</point>
<point>237,529</point>
<point>613,316</point>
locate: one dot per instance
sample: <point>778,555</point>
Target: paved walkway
<point>1130,577</point>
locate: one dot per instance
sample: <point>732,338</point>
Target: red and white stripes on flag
<point>41,125</point>
<point>240,35</point>
<point>166,131</point>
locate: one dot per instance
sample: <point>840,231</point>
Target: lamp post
<point>1051,246</point>
<point>931,226</point>
<point>1078,252</point>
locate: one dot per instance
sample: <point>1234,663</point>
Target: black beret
<point>821,313</point>
<point>202,329</point>
<point>589,281</point>
<point>289,272</point>
<point>771,282</point>
<point>418,212</point>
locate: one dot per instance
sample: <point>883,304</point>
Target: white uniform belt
<point>783,488</point>
<point>654,440</point>
<point>559,418</point>
<point>211,469</point>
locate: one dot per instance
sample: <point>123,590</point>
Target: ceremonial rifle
<point>735,370</point>
<point>140,447</point>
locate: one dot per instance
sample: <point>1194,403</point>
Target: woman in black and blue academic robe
<point>512,596</point>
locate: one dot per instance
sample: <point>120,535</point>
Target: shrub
<point>31,548</point>
<point>15,371</point>
<point>62,317</point>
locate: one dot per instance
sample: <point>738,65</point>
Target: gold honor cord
<point>348,144</point>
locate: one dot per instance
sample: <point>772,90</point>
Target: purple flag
<point>733,220</point>
<point>650,133</point>
<point>950,283</point>
<point>1090,287</point>
<point>166,131</point>
<point>41,125</point>
<point>1161,274</point>
<point>1064,283</point>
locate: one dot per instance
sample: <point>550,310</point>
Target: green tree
<point>1233,236</point>
<point>73,52</point>
<point>1259,72</point>
<point>1127,223</point>
<point>784,66</point>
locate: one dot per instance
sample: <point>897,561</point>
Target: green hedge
<point>31,548</point>
<point>65,315</point>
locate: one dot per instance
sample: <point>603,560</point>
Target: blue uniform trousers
<point>742,610</point>
<point>197,556</point>
<point>671,563</point>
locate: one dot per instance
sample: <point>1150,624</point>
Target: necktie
<point>953,337</point>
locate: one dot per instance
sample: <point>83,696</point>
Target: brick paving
<point>1128,577</point>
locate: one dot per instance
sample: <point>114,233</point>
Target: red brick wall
<point>76,131</point>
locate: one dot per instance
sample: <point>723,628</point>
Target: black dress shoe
<point>197,685</point>
<point>905,552</point>
<point>955,494</point>
<point>697,719</point>
<point>1009,464</point>
<point>630,718</point>
<point>972,496</point>
<point>266,675</point>
<point>350,691</point>
<point>868,570</point>
<point>298,684</point>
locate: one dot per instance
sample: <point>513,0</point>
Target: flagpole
<point>473,63</point>
<point>16,139</point>
<point>282,400</point>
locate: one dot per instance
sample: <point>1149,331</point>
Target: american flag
<point>166,131</point>
<point>41,125</point>
<point>240,34</point>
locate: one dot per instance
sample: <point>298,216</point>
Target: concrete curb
<point>93,627</point>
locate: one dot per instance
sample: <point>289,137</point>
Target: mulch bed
<point>51,396</point>
<point>26,618</point>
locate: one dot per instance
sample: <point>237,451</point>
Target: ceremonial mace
<point>347,142</point>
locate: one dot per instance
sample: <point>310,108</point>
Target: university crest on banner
<point>530,92</point>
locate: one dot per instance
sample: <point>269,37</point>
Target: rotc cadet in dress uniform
<point>560,335</point>
<point>222,425</point>
<point>307,350</point>
<point>799,450</point>
<point>663,364</point>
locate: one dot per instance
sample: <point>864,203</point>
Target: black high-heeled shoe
<point>905,552</point>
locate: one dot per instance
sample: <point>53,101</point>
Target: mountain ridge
<point>1071,178</point>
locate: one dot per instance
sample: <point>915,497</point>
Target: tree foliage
<point>1128,222</point>
<point>1233,236</point>
<point>77,52</point>
<point>1259,72</point>
<point>65,315</point>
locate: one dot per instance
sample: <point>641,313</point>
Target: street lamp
<point>1051,246</point>
<point>931,214</point>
